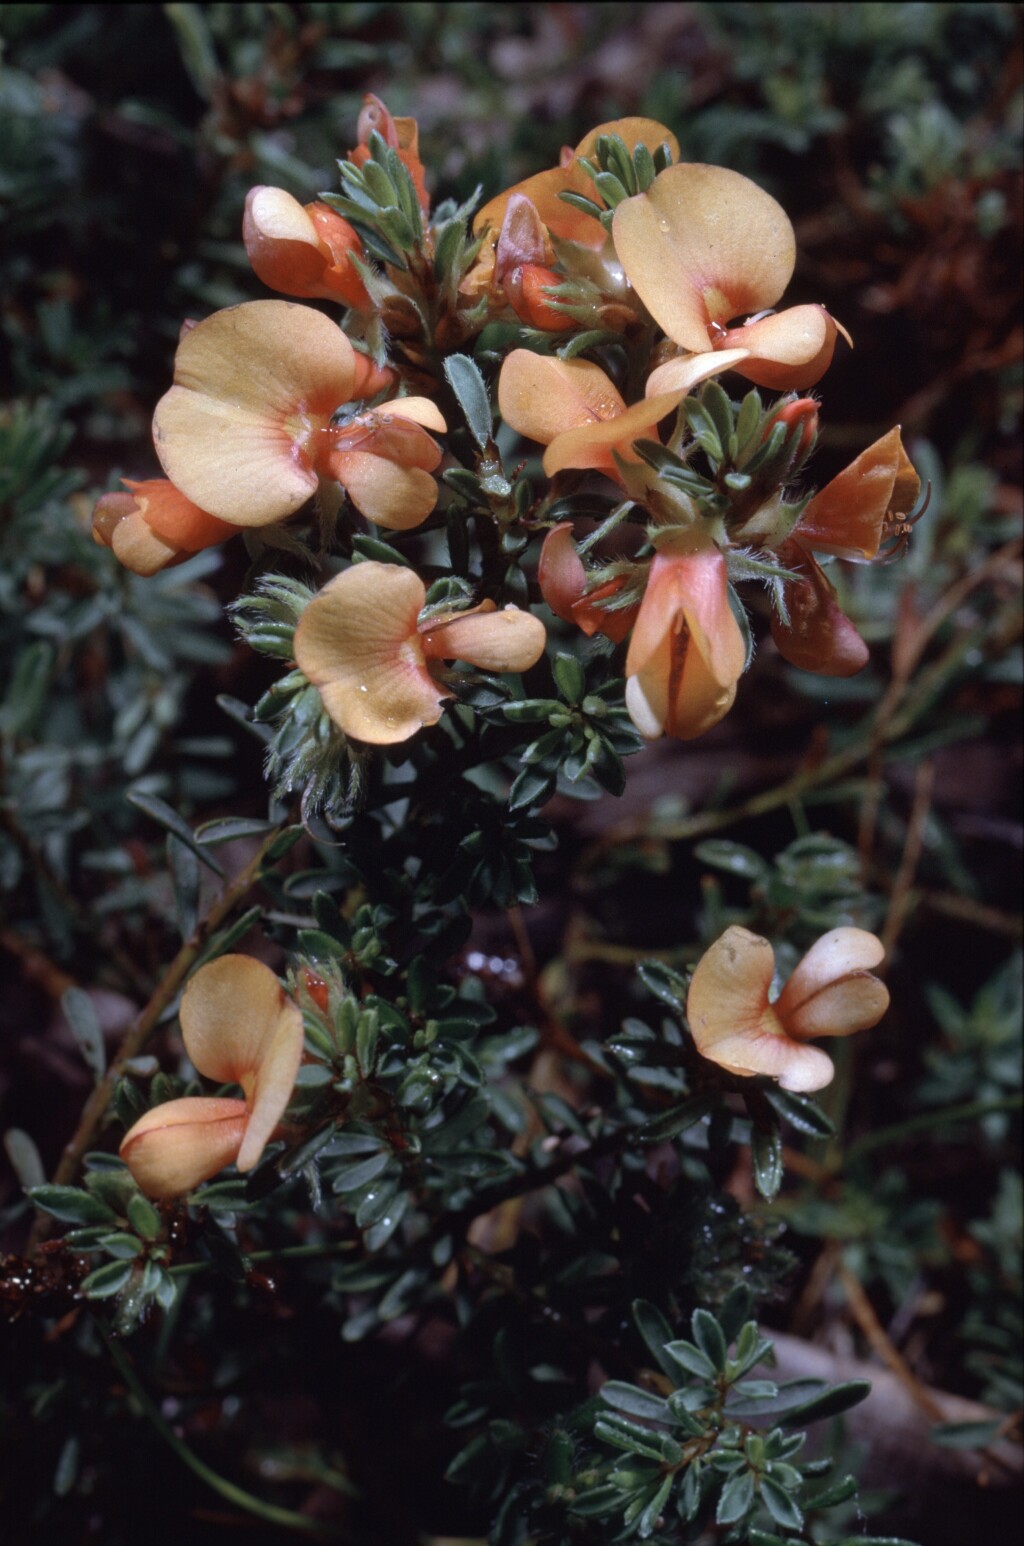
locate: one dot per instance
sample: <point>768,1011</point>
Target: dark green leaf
<point>71,1205</point>
<point>707,1334</point>
<point>830,1404</point>
<point>85,1024</point>
<point>804,1114</point>
<point>162,813</point>
<point>780,1505</point>
<point>737,1499</point>
<point>107,1280</point>
<point>634,1401</point>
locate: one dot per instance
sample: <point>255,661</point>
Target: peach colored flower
<point>256,418</point>
<point>563,583</point>
<point>831,993</point>
<point>687,652</point>
<point>544,189</point>
<point>402,134</point>
<point>302,249</point>
<point>361,642</point>
<point>818,637</point>
<point>523,259</point>
<point>573,408</point>
<point>704,245</point>
<point>154,525</point>
<point>239,1027</point>
<point>864,504</point>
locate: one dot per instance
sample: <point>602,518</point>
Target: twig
<point>900,900</point>
<point>875,1332</point>
<point>271,1512</point>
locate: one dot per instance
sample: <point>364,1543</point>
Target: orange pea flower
<point>563,584</point>
<point>302,249</point>
<point>687,652</point>
<point>154,525</point>
<point>831,993</point>
<point>361,642</point>
<point>239,1027</point>
<point>851,517</point>
<point>544,189</point>
<point>864,504</point>
<point>402,134</point>
<point>255,419</point>
<point>704,245</point>
<point>573,408</point>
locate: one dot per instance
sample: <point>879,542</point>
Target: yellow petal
<point>543,397</point>
<point>854,1003</point>
<point>358,642</point>
<point>509,640</point>
<point>391,495</point>
<point>254,385</point>
<point>175,1146</point>
<point>689,370</point>
<point>702,245</point>
<point>830,958</point>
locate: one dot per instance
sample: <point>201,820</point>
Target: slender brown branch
<point>900,900</point>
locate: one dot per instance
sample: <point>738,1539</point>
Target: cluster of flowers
<point>274,405</point>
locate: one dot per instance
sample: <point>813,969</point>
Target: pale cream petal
<point>393,496</point>
<point>689,370</point>
<point>703,244</point>
<point>542,397</point>
<point>358,642</point>
<point>232,1013</point>
<point>854,1003</point>
<point>647,703</point>
<point>175,1146</point>
<point>509,640</point>
<point>252,387</point>
<point>831,957</point>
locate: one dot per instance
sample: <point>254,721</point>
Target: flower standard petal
<point>252,386</point>
<point>175,1146</point>
<point>703,245</point>
<point>505,640</point>
<point>358,642</point>
<point>232,1013</point>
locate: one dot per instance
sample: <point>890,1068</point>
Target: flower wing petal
<point>393,496</point>
<point>543,397</point>
<point>506,640</point>
<point>830,958</point>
